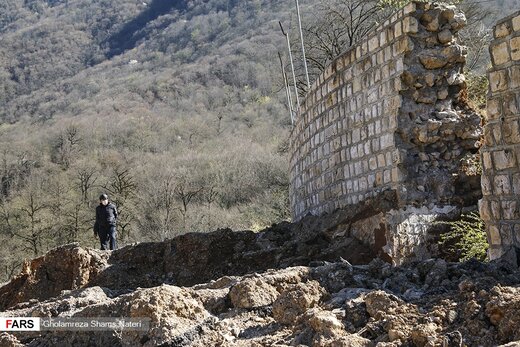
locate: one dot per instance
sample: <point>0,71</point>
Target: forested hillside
<point>176,109</point>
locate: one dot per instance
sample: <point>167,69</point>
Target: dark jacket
<point>106,216</point>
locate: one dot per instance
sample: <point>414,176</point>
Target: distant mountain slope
<point>42,49</point>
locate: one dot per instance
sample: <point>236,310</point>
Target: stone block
<point>516,234</point>
<point>506,235</point>
<point>500,53</point>
<point>495,210</point>
<point>516,184</point>
<point>486,161</point>
<point>364,47</point>
<point>373,43</point>
<point>410,25</point>
<point>398,29</point>
<point>504,159</point>
<point>516,23</point>
<point>379,178</point>
<point>498,80</point>
<point>411,7</point>
<point>510,210</point>
<point>497,132</point>
<point>502,30</point>
<point>387,176</point>
<point>509,106</point>
<point>515,48</point>
<point>511,132</point>
<point>489,140</point>
<point>514,75</point>
<point>487,187</point>
<point>397,175</point>
<point>387,141</point>
<point>494,108</point>
<point>502,185</point>
<point>495,251</point>
<point>485,213</point>
<point>494,235</point>
<point>432,60</point>
<point>405,44</point>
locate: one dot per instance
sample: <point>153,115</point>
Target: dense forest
<point>174,108</point>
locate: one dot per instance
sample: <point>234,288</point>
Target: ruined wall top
<point>388,114</point>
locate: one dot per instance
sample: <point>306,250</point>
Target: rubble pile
<point>428,303</point>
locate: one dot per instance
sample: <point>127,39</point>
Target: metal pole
<point>287,91</point>
<point>303,45</point>
<point>292,67</point>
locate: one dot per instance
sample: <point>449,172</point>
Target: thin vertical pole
<point>303,45</point>
<point>287,90</point>
<point>292,67</point>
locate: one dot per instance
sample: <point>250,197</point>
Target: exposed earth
<point>289,285</point>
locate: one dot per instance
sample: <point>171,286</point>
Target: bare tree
<point>335,26</point>
<point>185,193</point>
<point>476,35</point>
<point>66,147</point>
<point>33,224</point>
<point>86,180</point>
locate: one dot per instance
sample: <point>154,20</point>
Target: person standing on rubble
<point>105,225</point>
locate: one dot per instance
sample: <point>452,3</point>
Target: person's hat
<point>103,197</point>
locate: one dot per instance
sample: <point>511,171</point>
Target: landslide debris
<point>303,284</point>
<point>429,303</point>
<point>189,259</point>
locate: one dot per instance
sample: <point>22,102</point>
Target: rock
<point>445,36</point>
<point>172,310</point>
<point>251,293</point>
<point>295,300</point>
<point>433,25</point>
<point>448,13</point>
<point>7,340</point>
<point>429,78</point>
<point>454,54</point>
<point>324,323</point>
<point>353,340</point>
<point>413,294</point>
<point>408,78</point>
<point>442,94</point>
<point>424,335</point>
<point>437,273</point>
<point>65,267</point>
<point>215,301</point>
<point>502,310</point>
<point>453,339</point>
<point>430,20</point>
<point>432,60</point>
<point>458,22</point>
<point>456,79</point>
<point>380,303</point>
<point>356,315</point>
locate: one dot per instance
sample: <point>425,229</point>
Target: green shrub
<point>477,90</point>
<point>466,237</point>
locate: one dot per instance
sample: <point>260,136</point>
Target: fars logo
<point>19,324</point>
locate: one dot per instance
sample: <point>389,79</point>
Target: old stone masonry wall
<point>389,115</point>
<point>500,206</point>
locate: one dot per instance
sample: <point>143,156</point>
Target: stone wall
<point>500,206</point>
<point>390,115</point>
